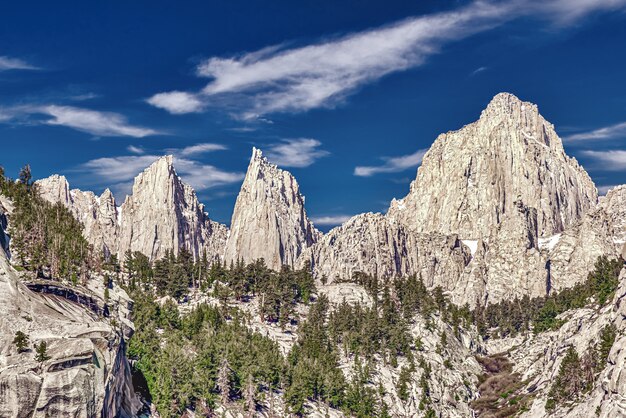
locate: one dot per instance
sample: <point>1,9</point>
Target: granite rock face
<point>373,244</point>
<point>162,213</point>
<point>506,192</point>
<point>470,179</point>
<point>87,374</point>
<point>98,214</point>
<point>537,358</point>
<point>269,220</point>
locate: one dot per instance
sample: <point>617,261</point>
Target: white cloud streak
<point>330,220</point>
<point>608,132</point>
<point>8,63</point>
<point>136,149</point>
<point>94,122</point>
<point>200,149</point>
<point>276,79</point>
<point>85,120</point>
<point>611,160</point>
<point>299,152</point>
<point>392,164</point>
<point>120,171</point>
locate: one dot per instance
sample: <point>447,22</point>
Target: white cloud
<point>200,149</point>
<point>176,102</point>
<point>119,172</point>
<point>478,70</point>
<point>300,152</point>
<point>8,63</point>
<point>94,122</point>
<point>330,219</point>
<point>608,132</point>
<point>277,79</point>
<point>135,149</point>
<point>392,164</point>
<point>612,160</point>
<point>203,176</point>
<point>118,169</point>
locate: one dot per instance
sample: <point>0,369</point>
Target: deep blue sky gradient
<point>124,52</point>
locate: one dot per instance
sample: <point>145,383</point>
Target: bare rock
<point>269,220</point>
<point>471,178</point>
<point>163,213</point>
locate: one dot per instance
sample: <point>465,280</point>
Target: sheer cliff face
<point>87,374</point>
<point>483,218</point>
<point>269,220</point>
<point>470,178</point>
<point>163,213</point>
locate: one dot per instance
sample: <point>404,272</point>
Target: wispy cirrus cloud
<point>609,160</point>
<point>298,152</point>
<point>8,63</point>
<point>478,71</point>
<point>281,79</point>
<point>330,220</point>
<point>119,172</point>
<point>200,149</point>
<point>85,120</point>
<point>617,130</point>
<point>135,149</point>
<point>392,164</point>
<point>94,122</point>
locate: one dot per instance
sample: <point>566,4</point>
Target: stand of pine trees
<point>539,314</point>
<point>45,238</point>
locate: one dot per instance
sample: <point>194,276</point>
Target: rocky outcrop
<point>87,374</point>
<point>163,213</point>
<point>514,264</point>
<point>373,244</point>
<point>614,203</point>
<point>576,250</point>
<point>269,220</point>
<point>470,179</point>
<point>537,359</point>
<point>97,214</point>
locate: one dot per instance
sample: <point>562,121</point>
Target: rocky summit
<point>495,287</point>
<point>269,220</point>
<point>471,179</point>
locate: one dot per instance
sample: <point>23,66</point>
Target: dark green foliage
<point>607,339</point>
<point>182,366</point>
<point>402,386</point>
<point>570,382</point>
<point>510,317</point>
<point>20,341</point>
<point>46,238</point>
<point>41,352</point>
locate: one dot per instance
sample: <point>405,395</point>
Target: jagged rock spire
<point>269,220</point>
<point>162,213</point>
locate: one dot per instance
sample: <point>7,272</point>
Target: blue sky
<point>345,94</point>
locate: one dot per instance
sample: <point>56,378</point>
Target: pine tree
<point>41,352</point>
<point>20,341</point>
